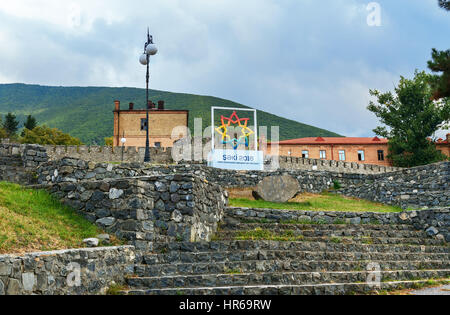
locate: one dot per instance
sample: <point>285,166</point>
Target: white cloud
<point>304,60</point>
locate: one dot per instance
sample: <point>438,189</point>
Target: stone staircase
<point>262,257</point>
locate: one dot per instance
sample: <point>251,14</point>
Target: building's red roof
<point>337,141</point>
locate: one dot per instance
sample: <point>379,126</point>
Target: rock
<point>231,222</point>
<point>28,280</point>
<point>91,242</point>
<point>356,220</point>
<point>177,216</point>
<point>115,193</point>
<point>106,221</point>
<point>432,231</point>
<point>278,188</point>
<point>447,238</point>
<point>5,269</point>
<point>104,238</point>
<point>13,287</point>
<point>404,216</point>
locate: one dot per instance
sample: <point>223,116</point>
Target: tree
<point>440,63</point>
<point>109,141</point>
<point>441,83</point>
<point>44,135</point>
<point>11,125</point>
<point>29,124</point>
<point>445,4</point>
<point>412,117</point>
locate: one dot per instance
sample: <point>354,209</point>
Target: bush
<point>45,135</point>
<point>336,185</point>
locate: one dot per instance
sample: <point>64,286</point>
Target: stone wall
<point>74,170</point>
<point>426,186</point>
<point>148,209</point>
<point>419,187</point>
<point>18,163</point>
<point>294,163</point>
<point>105,154</point>
<point>436,222</point>
<point>101,154</point>
<point>47,273</point>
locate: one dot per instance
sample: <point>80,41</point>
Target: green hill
<point>86,112</point>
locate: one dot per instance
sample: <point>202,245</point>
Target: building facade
<point>360,150</point>
<point>131,125</point>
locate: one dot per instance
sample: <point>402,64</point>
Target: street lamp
<point>149,50</point>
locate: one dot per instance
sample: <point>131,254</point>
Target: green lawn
<point>322,202</point>
<point>31,220</point>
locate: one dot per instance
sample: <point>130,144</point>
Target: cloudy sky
<point>312,61</point>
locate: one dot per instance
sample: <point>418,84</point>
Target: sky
<point>307,60</point>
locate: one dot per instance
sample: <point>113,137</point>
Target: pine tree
<point>441,83</point>
<point>11,125</point>
<point>30,123</point>
<point>445,4</point>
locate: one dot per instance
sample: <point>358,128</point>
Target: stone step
<point>278,278</point>
<point>220,246</point>
<point>266,290</point>
<point>319,227</point>
<point>282,234</point>
<point>249,266</point>
<point>247,255</point>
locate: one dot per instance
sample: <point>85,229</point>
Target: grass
<point>32,220</point>
<point>116,289</point>
<point>262,234</point>
<point>316,202</point>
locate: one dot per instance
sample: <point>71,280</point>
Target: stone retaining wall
<point>18,163</point>
<point>101,154</point>
<point>147,209</point>
<point>436,222</point>
<point>74,170</point>
<point>295,163</point>
<point>425,186</point>
<point>47,273</point>
<point>420,187</point>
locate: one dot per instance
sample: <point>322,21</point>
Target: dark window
<point>361,156</point>
<point>380,155</point>
<point>143,124</point>
<point>158,144</point>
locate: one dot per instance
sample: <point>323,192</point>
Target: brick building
<point>131,124</point>
<point>360,150</point>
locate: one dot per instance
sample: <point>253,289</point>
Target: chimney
<point>448,137</point>
<point>151,105</point>
<point>160,105</point>
<point>131,106</point>
<point>117,103</point>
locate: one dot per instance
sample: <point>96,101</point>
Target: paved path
<point>444,290</point>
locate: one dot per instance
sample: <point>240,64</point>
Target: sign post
<point>235,159</point>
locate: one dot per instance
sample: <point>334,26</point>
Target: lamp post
<point>149,50</point>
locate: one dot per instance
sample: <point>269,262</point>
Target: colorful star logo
<point>241,123</point>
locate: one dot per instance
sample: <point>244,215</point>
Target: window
<point>143,124</point>
<point>158,144</point>
<point>361,156</point>
<point>305,154</point>
<point>380,155</point>
<point>323,155</point>
<point>342,155</point>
